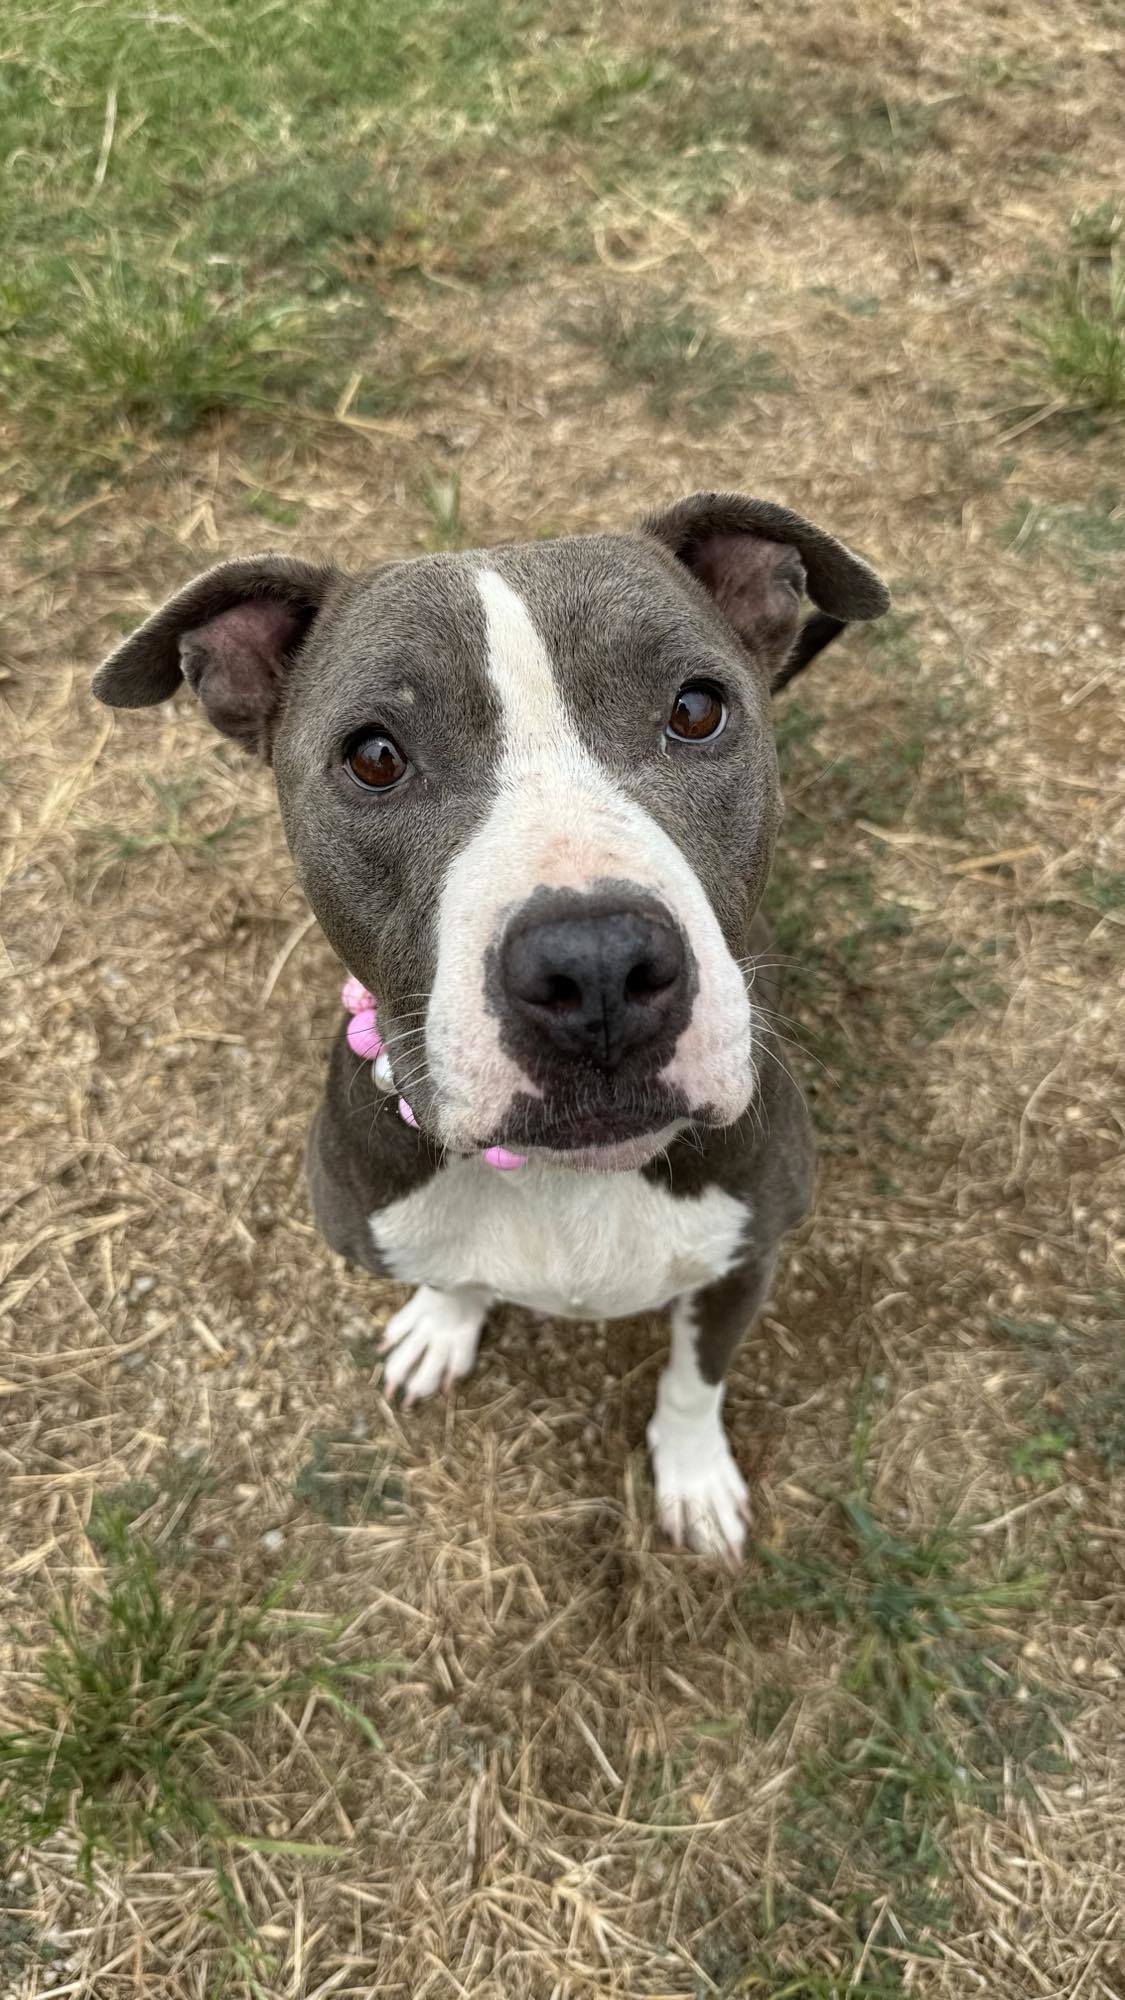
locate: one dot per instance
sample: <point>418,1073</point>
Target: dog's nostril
<point>652,976</point>
<point>561,994</point>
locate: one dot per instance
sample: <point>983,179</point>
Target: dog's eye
<point>698,712</point>
<point>375,762</point>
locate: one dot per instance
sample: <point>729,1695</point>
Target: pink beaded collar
<point>365,1041</point>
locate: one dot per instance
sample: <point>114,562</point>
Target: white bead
<point>382,1072</point>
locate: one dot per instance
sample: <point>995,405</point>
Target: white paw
<point>701,1496</point>
<point>431,1342</point>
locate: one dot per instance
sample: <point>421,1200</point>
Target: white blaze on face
<point>559,819</point>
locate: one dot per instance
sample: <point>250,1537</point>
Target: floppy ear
<point>231,635</point>
<point>757,560</point>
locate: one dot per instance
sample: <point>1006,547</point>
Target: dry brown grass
<point>554,1817</point>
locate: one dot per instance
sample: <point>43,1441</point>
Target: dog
<point>532,796</point>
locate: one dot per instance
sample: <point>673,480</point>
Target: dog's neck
<point>365,1041</point>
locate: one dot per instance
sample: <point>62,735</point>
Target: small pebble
<point>273,1540</point>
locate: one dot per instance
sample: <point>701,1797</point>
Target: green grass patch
<point>282,513</point>
<point>172,824</point>
<point>1104,888</point>
<point>1039,1458</point>
<point>208,212</point>
<point>1080,1381</point>
<point>347,1481</point>
<point>893,645</point>
<point>166,1502</point>
<point>737,113</point>
<point>675,354</point>
<point>1099,1419</point>
<point>922,1723</point>
<point>1043,1336</point>
<point>1098,232</point>
<point>22,1945</point>
<point>1086,540</point>
<point>862,976</point>
<point>1076,342</point>
<point>858,305</point>
<point>129,1714</point>
<point>441,498</point>
<point>874,144</point>
<point>147,349</point>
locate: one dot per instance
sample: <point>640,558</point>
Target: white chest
<point>578,1246</point>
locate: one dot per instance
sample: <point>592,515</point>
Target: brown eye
<point>698,712</point>
<point>375,762</point>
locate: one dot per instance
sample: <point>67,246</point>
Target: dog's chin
<point>592,1137</point>
<point>616,1156</point>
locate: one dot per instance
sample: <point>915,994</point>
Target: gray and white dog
<point>532,795</point>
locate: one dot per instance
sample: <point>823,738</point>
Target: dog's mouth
<point>588,1136</point>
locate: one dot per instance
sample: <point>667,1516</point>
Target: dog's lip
<point>555,1131</point>
<point>607,1129</point>
<point>588,1136</point>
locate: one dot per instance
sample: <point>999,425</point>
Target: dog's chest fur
<point>576,1246</point>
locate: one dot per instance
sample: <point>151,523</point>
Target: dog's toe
<point>701,1496</point>
<point>431,1342</point>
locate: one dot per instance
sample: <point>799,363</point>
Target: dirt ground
<point>887,1756</point>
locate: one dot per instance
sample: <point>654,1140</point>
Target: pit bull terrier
<point>532,796</point>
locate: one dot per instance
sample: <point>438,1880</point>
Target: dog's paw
<point>431,1342</point>
<point>701,1496</point>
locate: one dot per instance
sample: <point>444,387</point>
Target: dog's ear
<point>758,560</point>
<point>231,635</point>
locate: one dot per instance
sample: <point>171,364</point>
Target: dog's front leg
<point>432,1341</point>
<point>701,1496</point>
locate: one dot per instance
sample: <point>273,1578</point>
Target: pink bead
<point>355,996</point>
<point>503,1161</point>
<point>364,1039</point>
<point>406,1114</point>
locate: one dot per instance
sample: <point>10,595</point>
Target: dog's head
<point>532,796</point>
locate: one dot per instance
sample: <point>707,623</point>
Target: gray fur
<point>293,659</point>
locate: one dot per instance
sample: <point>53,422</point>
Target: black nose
<point>597,984</point>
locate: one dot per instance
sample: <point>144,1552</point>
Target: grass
<point>908,1604</point>
<point>770,1980</point>
<point>1039,1458</point>
<point>168,1498</point>
<point>1085,539</point>
<point>224,224</point>
<point>1077,341</point>
<point>862,975</point>
<point>675,354</point>
<point>1079,1383</point>
<point>441,498</point>
<point>920,1725</point>
<point>219,233</point>
<point>1097,232</point>
<point>344,1480</point>
<point>172,825</point>
<point>152,350</point>
<point>129,1715</point>
<point>875,144</point>
<point>1103,888</point>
